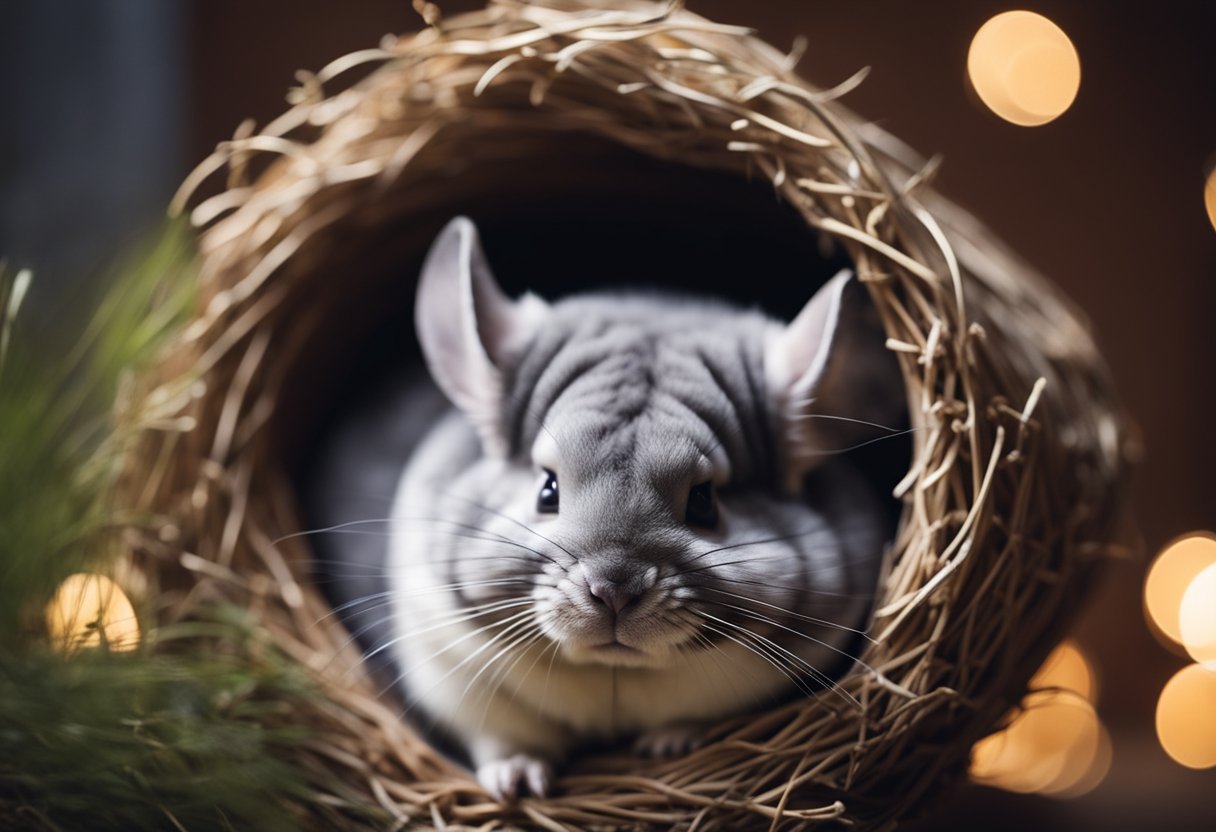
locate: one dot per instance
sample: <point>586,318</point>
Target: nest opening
<point>564,213</point>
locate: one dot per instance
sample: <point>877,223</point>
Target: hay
<point>1010,500</point>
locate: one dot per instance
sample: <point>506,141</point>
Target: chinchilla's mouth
<point>616,648</point>
<point>613,654</point>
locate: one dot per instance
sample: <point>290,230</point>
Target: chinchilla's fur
<point>635,519</point>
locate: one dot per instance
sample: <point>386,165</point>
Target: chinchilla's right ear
<point>470,331</point>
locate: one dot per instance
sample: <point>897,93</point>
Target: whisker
<point>466,637</point>
<point>819,621</point>
<point>367,521</point>
<point>448,619</point>
<point>370,608</point>
<point>814,672</point>
<point>769,584</point>
<point>496,680</point>
<point>356,602</point>
<point>754,560</point>
<point>837,451</point>
<point>846,654</point>
<point>555,647</point>
<point>526,630</point>
<point>535,414</point>
<point>782,669</point>
<point>805,416</point>
<point>548,675</point>
<point>457,615</point>
<point>540,634</point>
<point>713,652</point>
<point>523,526</point>
<point>749,561</point>
<point>326,568</point>
<point>415,593</point>
<point>508,624</point>
<point>337,527</point>
<point>778,539</point>
<point>508,542</point>
<point>351,527</point>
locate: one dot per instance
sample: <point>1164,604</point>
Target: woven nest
<point>1017,458</point>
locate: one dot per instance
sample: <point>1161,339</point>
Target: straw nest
<point>1018,455</point>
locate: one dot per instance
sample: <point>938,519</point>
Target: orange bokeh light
<point>1056,745</point>
<point>1197,617</point>
<point>1024,68</point>
<point>1086,768</point>
<point>1067,669</point>
<point>1209,197</point>
<point>1170,575</point>
<point>89,611</point>
<point>1047,748</point>
<point>1186,717</point>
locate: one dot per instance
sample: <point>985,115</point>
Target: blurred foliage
<point>102,740</point>
<point>57,389</point>
<point>196,738</point>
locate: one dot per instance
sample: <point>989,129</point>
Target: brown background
<point>1107,201</point>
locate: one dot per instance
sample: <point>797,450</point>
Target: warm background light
<point>1024,68</point>
<point>1197,617</point>
<point>1068,669</point>
<point>1170,575</point>
<point>89,610</point>
<point>1209,197</point>
<point>1186,717</point>
<point>1056,745</point>
<point>1085,768</point>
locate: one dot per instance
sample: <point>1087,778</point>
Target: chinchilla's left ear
<point>831,379</point>
<point>470,331</point>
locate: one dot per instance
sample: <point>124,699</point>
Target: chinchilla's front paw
<point>670,740</point>
<point>519,775</point>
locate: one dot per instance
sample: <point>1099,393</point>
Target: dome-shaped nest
<point>524,115</point>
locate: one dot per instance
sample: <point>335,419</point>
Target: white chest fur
<point>465,674</point>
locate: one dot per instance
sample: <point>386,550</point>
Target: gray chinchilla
<point>637,518</point>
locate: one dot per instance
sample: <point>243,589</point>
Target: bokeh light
<point>1056,745</point>
<point>1086,768</point>
<point>1169,577</point>
<point>1197,617</point>
<point>1050,746</point>
<point>1024,68</point>
<point>89,611</point>
<point>1209,196</point>
<point>1186,717</point>
<point>1067,669</point>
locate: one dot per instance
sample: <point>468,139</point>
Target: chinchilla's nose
<point>612,595</point>
<point>616,586</point>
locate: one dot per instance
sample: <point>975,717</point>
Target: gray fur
<point>632,399</point>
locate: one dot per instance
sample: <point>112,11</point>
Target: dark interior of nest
<point>558,215</point>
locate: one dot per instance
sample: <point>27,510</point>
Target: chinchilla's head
<point>644,460</point>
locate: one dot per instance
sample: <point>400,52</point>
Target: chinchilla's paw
<point>519,775</point>
<point>670,740</point>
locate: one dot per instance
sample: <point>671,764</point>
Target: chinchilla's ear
<point>832,381</point>
<point>470,331</point>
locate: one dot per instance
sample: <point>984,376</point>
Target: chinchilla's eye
<point>546,501</point>
<point>702,507</point>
